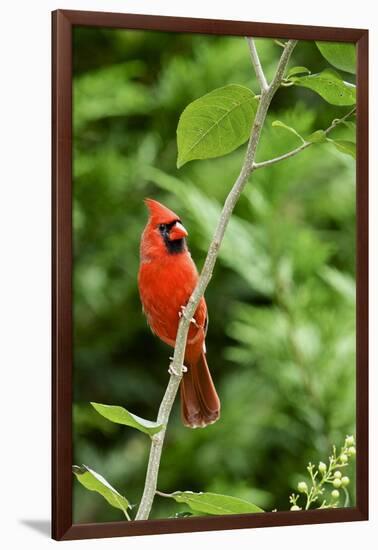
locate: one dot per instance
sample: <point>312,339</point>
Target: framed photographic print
<point>210,232</point>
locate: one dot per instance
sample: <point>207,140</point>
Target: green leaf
<point>341,55</point>
<point>119,415</point>
<point>317,137</point>
<point>110,91</point>
<point>344,146</point>
<point>279,124</point>
<point>329,85</point>
<point>214,504</point>
<point>343,283</point>
<point>297,70</point>
<point>93,481</point>
<point>216,123</point>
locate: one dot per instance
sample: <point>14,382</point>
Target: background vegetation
<point>281,341</point>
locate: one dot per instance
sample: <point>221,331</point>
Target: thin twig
<point>257,64</point>
<point>301,148</point>
<point>204,279</point>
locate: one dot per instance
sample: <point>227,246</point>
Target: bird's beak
<point>178,231</point>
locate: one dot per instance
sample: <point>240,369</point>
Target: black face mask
<point>174,247</point>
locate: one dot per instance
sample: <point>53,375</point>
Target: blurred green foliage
<point>281,341</point>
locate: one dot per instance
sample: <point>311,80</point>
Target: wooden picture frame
<point>62,24</point>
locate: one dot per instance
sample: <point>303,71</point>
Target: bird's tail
<point>200,403</point>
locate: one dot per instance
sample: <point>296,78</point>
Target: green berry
<point>352,451</point>
<point>322,467</point>
<point>302,487</point>
<point>336,483</point>
<point>337,474</point>
<point>345,481</point>
<point>295,508</point>
<point>335,494</point>
<point>344,458</point>
<point>349,440</point>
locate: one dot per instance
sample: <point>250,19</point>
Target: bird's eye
<point>162,227</point>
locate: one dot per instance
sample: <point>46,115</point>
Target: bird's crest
<point>160,213</point>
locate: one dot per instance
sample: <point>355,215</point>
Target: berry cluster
<point>326,474</point>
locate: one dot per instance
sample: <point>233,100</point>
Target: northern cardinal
<point>167,277</point>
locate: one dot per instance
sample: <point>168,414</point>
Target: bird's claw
<point>181,313</point>
<point>192,320</point>
<point>174,372</point>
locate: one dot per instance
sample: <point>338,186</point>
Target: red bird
<point>167,278</point>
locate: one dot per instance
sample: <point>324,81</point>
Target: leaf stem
<point>204,279</point>
<point>301,148</point>
<point>166,495</point>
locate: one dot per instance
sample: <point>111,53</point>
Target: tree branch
<point>257,64</point>
<point>306,144</point>
<point>204,279</point>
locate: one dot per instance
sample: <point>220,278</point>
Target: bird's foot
<point>181,313</point>
<point>173,371</point>
<point>192,320</point>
